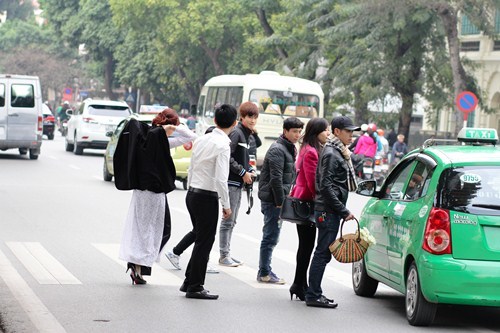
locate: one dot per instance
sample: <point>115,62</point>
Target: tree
<point>17,10</point>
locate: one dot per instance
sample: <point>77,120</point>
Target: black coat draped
<point>142,159</point>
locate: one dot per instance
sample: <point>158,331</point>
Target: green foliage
<point>17,10</point>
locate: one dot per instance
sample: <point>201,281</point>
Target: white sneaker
<point>211,269</point>
<point>174,259</point>
<point>228,262</point>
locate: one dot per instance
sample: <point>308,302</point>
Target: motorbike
<point>380,169</point>
<point>63,128</point>
<point>363,166</point>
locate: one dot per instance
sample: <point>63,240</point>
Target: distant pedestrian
<point>335,178</point>
<point>208,171</point>
<point>315,136</point>
<point>399,149</point>
<point>276,177</point>
<point>144,165</point>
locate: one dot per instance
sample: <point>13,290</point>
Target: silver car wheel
<point>411,292</point>
<point>357,269</point>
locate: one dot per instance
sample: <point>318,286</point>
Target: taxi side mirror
<point>367,188</point>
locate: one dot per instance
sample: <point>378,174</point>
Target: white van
<point>21,121</point>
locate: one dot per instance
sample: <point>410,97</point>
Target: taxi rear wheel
<point>105,172</point>
<point>362,284</point>
<point>419,311</point>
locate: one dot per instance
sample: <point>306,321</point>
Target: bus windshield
<point>285,103</point>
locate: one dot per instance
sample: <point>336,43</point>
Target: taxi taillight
<point>437,237</point>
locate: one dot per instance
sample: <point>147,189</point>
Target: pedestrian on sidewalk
<point>276,177</point>
<point>241,173</point>
<point>142,163</point>
<point>335,178</point>
<point>209,170</point>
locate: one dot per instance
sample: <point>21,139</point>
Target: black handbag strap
<point>342,225</point>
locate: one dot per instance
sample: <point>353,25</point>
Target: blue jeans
<point>327,233</point>
<point>270,236</point>
<point>227,225</point>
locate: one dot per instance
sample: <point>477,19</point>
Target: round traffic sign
<point>466,101</point>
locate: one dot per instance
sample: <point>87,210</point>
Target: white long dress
<point>143,228</point>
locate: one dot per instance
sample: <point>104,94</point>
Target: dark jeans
<point>327,233</point>
<point>204,212</point>
<point>307,236</point>
<point>270,236</point>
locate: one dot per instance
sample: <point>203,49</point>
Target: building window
<point>469,46</point>
<point>468,28</point>
<point>496,45</point>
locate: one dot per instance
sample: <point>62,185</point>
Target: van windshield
<point>109,110</point>
<point>473,190</point>
<point>285,103</point>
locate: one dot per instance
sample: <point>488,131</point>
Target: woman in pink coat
<point>315,137</point>
<point>367,144</point>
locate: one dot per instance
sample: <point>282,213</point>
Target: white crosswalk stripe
<point>41,264</point>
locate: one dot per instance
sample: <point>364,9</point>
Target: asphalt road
<point>60,230</point>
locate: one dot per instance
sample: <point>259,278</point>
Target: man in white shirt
<point>209,170</point>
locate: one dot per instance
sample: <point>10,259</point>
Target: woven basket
<point>350,247</point>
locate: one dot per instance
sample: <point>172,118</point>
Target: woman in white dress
<point>147,226</point>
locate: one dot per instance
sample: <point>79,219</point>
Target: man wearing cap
<point>334,180</point>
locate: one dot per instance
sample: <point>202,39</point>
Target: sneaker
<point>239,262</point>
<point>226,261</point>
<point>271,278</point>
<point>211,269</point>
<point>174,259</point>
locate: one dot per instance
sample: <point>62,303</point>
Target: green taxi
<point>436,221</point>
<point>180,155</point>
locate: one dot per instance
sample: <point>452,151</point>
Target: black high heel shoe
<point>298,291</point>
<point>134,275</point>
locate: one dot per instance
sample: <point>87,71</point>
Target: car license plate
<point>110,128</point>
<point>367,171</point>
<point>377,168</point>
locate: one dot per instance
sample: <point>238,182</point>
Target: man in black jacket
<point>276,178</point>
<point>240,173</point>
<point>334,180</point>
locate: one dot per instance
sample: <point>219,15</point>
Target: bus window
<point>234,96</point>
<point>288,104</point>
<point>201,106</point>
<point>211,101</point>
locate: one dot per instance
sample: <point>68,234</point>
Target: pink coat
<point>366,146</point>
<point>306,168</point>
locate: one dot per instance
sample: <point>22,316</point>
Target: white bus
<point>278,97</point>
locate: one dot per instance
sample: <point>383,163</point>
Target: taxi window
<point>418,183</point>
<point>395,188</point>
<point>473,190</point>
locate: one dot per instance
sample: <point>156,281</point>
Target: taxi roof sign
<point>478,135</point>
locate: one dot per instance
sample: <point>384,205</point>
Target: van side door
<point>21,112</point>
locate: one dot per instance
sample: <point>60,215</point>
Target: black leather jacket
<point>331,182</point>
<point>239,162</point>
<point>278,172</point>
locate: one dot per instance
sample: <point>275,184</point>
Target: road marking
<point>72,166</point>
<point>159,276</point>
<point>52,157</point>
<point>43,266</point>
<point>38,313</point>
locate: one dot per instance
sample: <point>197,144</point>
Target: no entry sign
<point>466,102</point>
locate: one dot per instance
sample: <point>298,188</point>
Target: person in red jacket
<point>315,137</point>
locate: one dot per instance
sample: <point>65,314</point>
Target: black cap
<point>343,122</point>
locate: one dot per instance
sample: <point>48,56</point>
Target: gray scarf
<point>346,153</point>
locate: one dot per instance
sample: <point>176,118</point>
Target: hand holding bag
<point>349,248</point>
<point>297,211</point>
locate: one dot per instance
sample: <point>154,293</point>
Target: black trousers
<point>184,243</point>
<point>167,229</point>
<point>204,212</point>
<point>307,238</point>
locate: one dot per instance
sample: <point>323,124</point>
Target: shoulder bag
<point>349,248</point>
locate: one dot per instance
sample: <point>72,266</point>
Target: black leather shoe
<point>183,288</point>
<point>321,303</point>
<point>204,294</point>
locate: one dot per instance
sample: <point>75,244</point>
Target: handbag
<point>349,248</point>
<point>297,211</point>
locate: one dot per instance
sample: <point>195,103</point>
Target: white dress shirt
<point>181,135</point>
<point>209,168</point>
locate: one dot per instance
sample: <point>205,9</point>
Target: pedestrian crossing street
<point>47,270</point>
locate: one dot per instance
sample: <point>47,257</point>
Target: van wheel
<point>362,284</point>
<point>23,151</point>
<point>33,154</point>
<point>68,146</point>
<point>419,311</point>
<point>185,183</point>
<point>77,149</point>
<point>105,172</point>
